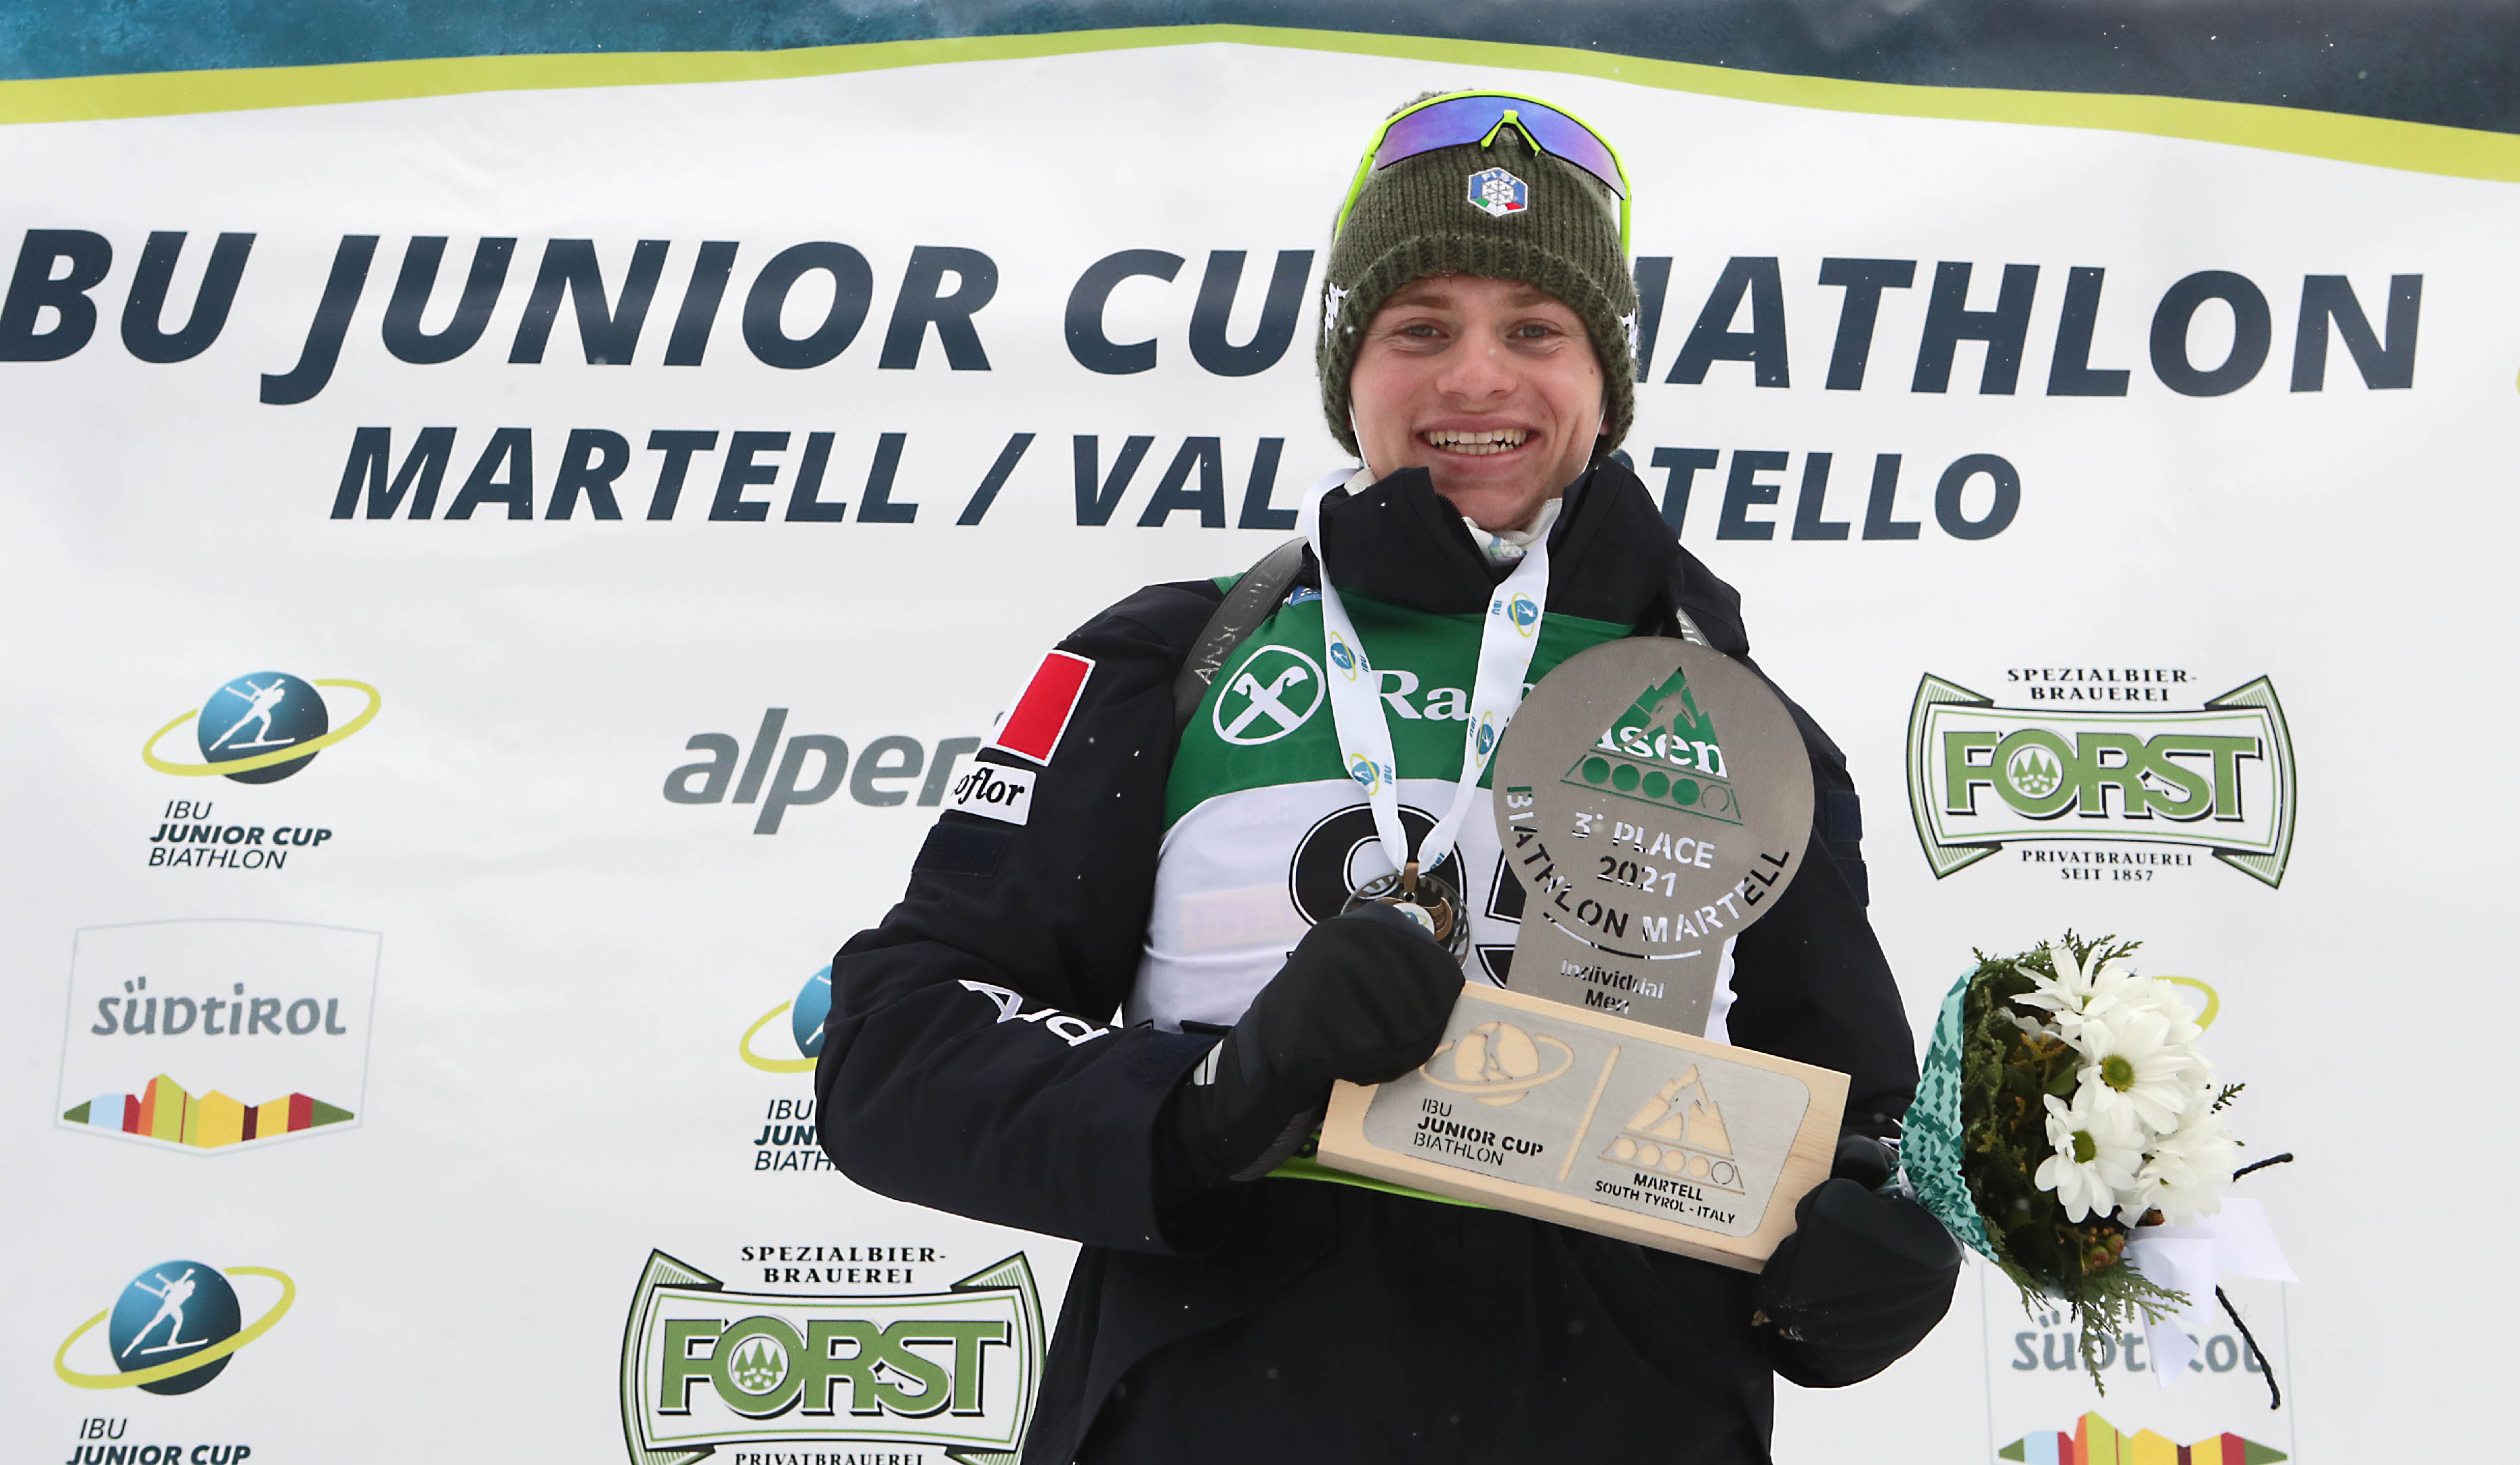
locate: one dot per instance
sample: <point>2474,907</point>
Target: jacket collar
<point>1611,554</point>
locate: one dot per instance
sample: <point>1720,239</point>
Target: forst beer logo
<point>211,1037</point>
<point>703,1366</point>
<point>261,728</point>
<point>171,1329</point>
<point>2217,777</point>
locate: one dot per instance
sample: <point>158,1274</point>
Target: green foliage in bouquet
<point>2005,1077</point>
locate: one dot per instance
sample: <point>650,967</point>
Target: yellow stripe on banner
<point>2412,147</point>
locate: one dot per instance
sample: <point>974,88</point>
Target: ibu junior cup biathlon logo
<point>1498,193</point>
<point>805,1015</point>
<point>262,727</point>
<point>787,1139</point>
<point>171,1329</point>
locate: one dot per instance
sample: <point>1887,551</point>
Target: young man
<point>1213,876</point>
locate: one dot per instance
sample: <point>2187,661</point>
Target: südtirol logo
<point>787,1138</point>
<point>172,1329</point>
<point>2086,790</point>
<point>2094,1441</point>
<point>703,1366</point>
<point>259,727</point>
<point>211,1036</point>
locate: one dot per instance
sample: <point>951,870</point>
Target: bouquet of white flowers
<point>2065,1102</point>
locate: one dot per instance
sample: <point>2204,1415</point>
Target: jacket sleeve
<point>1809,982</point>
<point>972,1060</point>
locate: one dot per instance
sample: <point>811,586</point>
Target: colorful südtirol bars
<point>165,1111</point>
<point>2097,1442</point>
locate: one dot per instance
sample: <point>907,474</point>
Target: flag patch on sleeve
<point>1040,717</point>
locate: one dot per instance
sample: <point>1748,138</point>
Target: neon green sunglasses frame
<point>1364,167</point>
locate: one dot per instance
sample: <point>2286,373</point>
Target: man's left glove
<point>1861,1280</point>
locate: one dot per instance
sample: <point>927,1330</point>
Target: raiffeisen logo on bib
<point>210,1036</point>
<point>256,728</point>
<point>1274,691</point>
<point>2120,792</point>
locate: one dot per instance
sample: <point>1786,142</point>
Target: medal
<point>1422,897</point>
<point>1508,635</point>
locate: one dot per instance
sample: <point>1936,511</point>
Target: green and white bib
<point>1266,835</point>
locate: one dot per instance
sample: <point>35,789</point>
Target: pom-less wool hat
<point>1499,208</point>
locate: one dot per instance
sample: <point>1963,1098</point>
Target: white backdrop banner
<point>511,576</point>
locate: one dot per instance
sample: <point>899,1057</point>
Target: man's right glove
<point>1863,1279</point>
<point>1363,996</point>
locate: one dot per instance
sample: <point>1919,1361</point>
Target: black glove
<point>1363,996</point>
<point>1861,1280</point>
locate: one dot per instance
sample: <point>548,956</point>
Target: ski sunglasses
<point>1462,117</point>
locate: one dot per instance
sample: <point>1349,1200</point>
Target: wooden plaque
<point>1601,1123</point>
<point>1654,799</point>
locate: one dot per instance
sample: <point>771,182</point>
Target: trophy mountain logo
<point>1680,1131</point>
<point>216,1036</point>
<point>2217,777</point>
<point>957,1371</point>
<point>173,1328</point>
<point>261,728</point>
<point>1661,751</point>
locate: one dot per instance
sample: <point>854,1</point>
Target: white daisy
<point>2186,1173</point>
<point>2098,1154</point>
<point>2143,995</point>
<point>2133,1062</point>
<point>2074,992</point>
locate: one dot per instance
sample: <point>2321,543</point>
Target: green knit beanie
<point>1423,216</point>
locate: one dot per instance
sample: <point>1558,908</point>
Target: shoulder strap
<point>1237,616</point>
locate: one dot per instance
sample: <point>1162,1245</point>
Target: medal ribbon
<point>1508,635</point>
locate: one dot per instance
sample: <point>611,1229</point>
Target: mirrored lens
<point>1467,119</point>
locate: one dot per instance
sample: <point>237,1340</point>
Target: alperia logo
<point>2219,777</point>
<point>957,1370</point>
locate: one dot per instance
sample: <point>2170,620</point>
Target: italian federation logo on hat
<point>1499,193</point>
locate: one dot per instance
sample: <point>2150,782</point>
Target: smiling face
<point>1491,385</point>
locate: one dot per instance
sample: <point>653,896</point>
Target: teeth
<point>1493,440</point>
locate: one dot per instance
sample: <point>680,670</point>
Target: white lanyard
<point>1510,632</point>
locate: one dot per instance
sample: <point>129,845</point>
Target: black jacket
<point>1291,1318</point>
